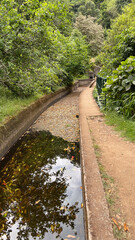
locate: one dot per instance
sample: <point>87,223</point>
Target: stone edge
<point>102,212</point>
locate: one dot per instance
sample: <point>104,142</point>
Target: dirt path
<point>118,158</point>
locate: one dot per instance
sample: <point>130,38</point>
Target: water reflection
<point>40,194</point>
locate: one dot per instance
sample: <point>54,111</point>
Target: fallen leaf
<point>115,222</point>
<point>71,236</point>
<point>63,208</point>
<point>4,183</point>
<point>37,201</point>
<point>72,158</point>
<point>4,214</point>
<point>52,228</point>
<point>126,227</point>
<point>80,187</point>
<point>66,149</point>
<point>81,205</point>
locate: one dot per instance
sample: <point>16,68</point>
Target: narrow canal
<point>40,179</point>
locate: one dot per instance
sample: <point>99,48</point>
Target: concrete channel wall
<point>14,128</point>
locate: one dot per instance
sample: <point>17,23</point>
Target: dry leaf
<point>80,187</point>
<point>63,208</point>
<point>66,149</point>
<point>37,201</point>
<point>115,221</point>
<point>52,228</point>
<point>82,205</point>
<point>4,183</point>
<point>126,227</point>
<point>72,158</point>
<point>71,236</point>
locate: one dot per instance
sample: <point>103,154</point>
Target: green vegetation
<point>125,126</point>
<point>120,89</point>
<point>10,105</point>
<point>47,44</point>
<point>39,49</point>
<point>120,41</point>
<point>117,60</point>
<point>93,32</point>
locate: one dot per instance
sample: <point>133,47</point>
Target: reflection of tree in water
<point>31,194</point>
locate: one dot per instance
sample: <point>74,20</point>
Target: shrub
<point>120,88</point>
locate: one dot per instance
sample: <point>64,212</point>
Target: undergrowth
<point>11,105</point>
<point>125,126</point>
<point>121,124</point>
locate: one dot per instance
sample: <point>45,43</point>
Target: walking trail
<point>118,158</point>
<point>117,154</point>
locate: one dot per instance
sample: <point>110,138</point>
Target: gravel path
<point>61,119</point>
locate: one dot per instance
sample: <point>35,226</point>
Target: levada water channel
<point>40,190</point>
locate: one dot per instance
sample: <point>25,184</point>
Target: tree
<point>121,3</point>
<point>93,32</point>
<point>89,8</point>
<point>120,42</point>
<point>107,13</point>
<point>33,33</point>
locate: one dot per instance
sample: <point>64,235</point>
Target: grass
<point>95,94</point>
<point>124,126</point>
<point>11,105</point>
<point>85,76</point>
<point>111,194</point>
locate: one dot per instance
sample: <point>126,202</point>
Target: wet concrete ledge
<point>96,214</point>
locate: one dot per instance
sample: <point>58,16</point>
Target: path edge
<point>96,213</point>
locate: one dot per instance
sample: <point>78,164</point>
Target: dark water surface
<point>40,190</point>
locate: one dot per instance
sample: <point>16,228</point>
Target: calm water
<point>40,190</point>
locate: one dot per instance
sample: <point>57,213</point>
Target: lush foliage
<point>93,32</point>
<point>120,42</point>
<point>36,36</point>
<point>118,63</point>
<point>120,88</point>
<point>107,13</point>
<point>121,3</point>
<point>85,7</point>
